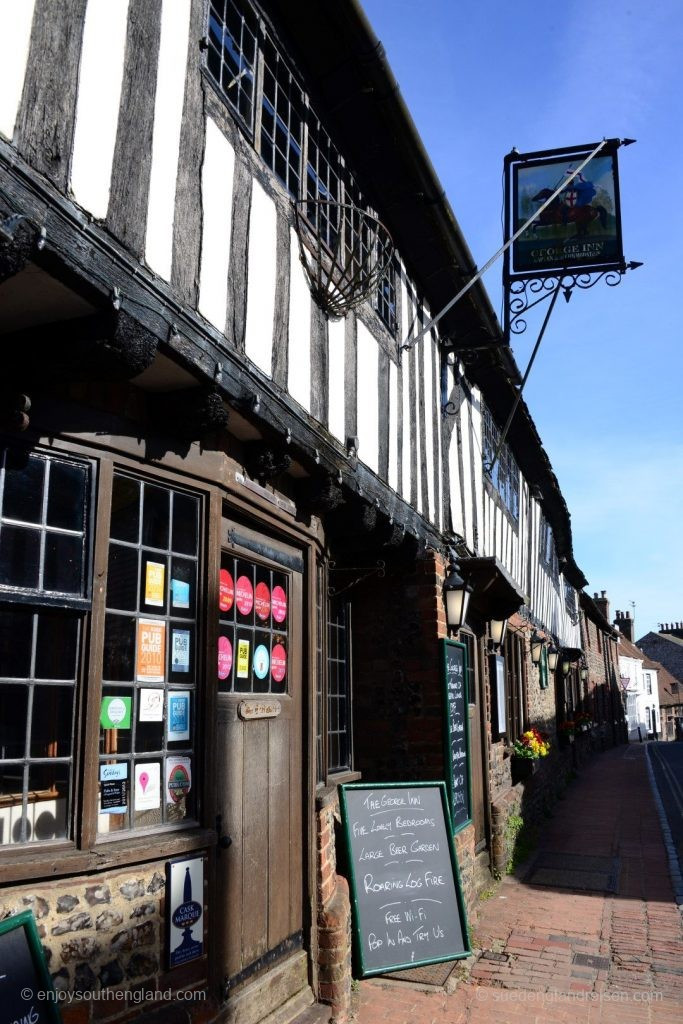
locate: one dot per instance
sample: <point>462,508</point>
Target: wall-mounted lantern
<point>553,655</point>
<point>583,671</point>
<point>457,593</point>
<point>566,665</point>
<point>497,630</point>
<point>536,647</point>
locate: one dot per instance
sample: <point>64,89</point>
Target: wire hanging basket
<point>345,252</point>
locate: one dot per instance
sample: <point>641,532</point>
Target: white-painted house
<point>215,496</point>
<point>639,683</point>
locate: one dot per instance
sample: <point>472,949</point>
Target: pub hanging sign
<point>580,228</point>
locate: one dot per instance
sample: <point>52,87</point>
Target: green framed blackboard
<point>408,908</point>
<point>457,732</point>
<point>26,989</point>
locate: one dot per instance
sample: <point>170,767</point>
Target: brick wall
<point>334,913</point>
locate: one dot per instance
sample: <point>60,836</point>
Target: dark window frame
<point>39,606</point>
<point>505,475</point>
<point>82,842</point>
<point>329,730</point>
<point>515,684</point>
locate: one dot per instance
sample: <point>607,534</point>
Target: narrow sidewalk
<point>609,951</point>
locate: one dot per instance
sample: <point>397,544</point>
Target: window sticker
<point>178,778</point>
<point>224,657</point>
<point>278,663</point>
<point>151,651</point>
<point>150,705</point>
<point>180,594</point>
<point>154,583</point>
<point>244,595</point>
<point>226,594</point>
<point>261,662</point>
<point>115,713</point>
<point>262,601</point>
<point>147,786</point>
<point>243,659</point>
<point>178,721</point>
<point>180,650</point>
<point>279,599</point>
<point>113,788</point>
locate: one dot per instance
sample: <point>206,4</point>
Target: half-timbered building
<point>227,492</point>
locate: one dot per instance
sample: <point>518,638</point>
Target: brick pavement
<point>550,956</point>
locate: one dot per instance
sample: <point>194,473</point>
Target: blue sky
<point>605,391</point>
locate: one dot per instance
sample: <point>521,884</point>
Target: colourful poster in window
<point>244,595</point>
<point>150,705</point>
<point>261,662</point>
<point>155,573</point>
<point>115,713</point>
<point>224,657</point>
<point>279,601</point>
<point>113,788</point>
<point>226,593</point>
<point>243,659</point>
<point>147,786</point>
<point>278,663</point>
<point>178,721</point>
<point>262,601</point>
<point>178,778</point>
<point>151,651</point>
<point>180,594</point>
<point>180,650</point>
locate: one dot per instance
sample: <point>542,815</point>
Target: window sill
<point>328,794</point>
<point>61,860</point>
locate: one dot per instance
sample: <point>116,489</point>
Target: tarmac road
<point>667,763</point>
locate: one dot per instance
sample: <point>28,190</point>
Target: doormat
<point>430,974</point>
<point>574,871</point>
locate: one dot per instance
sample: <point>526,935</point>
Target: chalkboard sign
<point>407,902</point>
<point>26,990</point>
<point>457,733</point>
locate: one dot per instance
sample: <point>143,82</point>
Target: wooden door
<point>259,878</point>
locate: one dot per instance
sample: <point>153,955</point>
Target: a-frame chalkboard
<point>26,989</point>
<point>408,907</point>
<point>456,732</point>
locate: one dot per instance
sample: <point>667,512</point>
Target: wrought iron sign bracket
<point>364,573</point>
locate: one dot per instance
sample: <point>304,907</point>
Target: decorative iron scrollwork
<point>524,294</point>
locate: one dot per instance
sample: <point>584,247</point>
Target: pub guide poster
<point>408,908</point>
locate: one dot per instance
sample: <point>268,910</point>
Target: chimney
<point>626,625</point>
<point>603,603</point>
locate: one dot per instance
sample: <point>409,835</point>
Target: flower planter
<point>523,768</point>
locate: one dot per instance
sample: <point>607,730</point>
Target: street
<point>600,940</point>
<point>667,763</point>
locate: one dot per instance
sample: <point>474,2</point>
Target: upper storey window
<point>505,473</point>
<point>231,54</point>
<point>267,97</point>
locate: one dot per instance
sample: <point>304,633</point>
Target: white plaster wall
<point>368,399</point>
<point>406,480</point>
<point>393,425</point>
<point>97,106</point>
<point>438,519</point>
<point>337,381</point>
<point>16,17</point>
<point>261,274</point>
<point>477,449</point>
<point>468,497</point>
<point>217,180</point>
<point>427,346</point>
<point>299,369</point>
<point>168,112</point>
